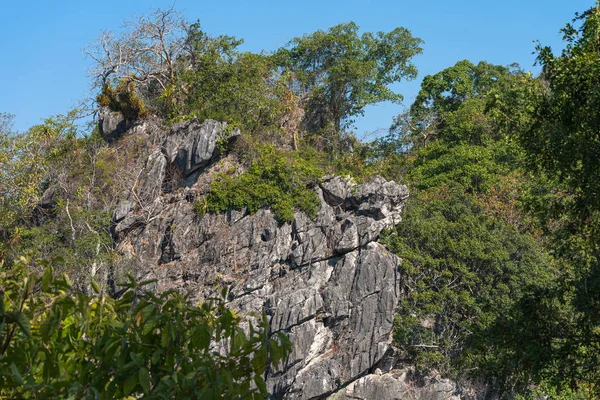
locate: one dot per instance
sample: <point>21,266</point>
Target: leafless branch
<point>147,52</point>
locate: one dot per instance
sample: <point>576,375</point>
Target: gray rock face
<point>113,125</point>
<point>151,179</point>
<point>397,385</point>
<point>324,282</point>
<point>335,297</point>
<point>336,314</point>
<point>192,145</point>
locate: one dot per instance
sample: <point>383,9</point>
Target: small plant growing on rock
<point>123,99</point>
<point>200,206</point>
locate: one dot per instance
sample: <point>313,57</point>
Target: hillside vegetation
<point>500,239</point>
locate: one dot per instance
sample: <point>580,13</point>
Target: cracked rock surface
<point>325,282</point>
<point>399,385</point>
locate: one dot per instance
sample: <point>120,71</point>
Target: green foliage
<point>462,269</point>
<point>523,344</point>
<point>277,179</point>
<point>223,84</point>
<point>25,161</point>
<point>200,206</point>
<point>343,72</point>
<point>58,196</point>
<point>564,140</point>
<point>549,391</point>
<point>468,104</point>
<point>56,343</point>
<point>323,80</point>
<point>80,238</point>
<point>501,271</point>
<point>471,257</point>
<point>180,71</point>
<point>562,144</point>
<point>123,99</point>
<point>473,167</point>
<point>447,90</point>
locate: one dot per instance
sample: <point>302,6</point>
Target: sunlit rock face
<point>323,281</point>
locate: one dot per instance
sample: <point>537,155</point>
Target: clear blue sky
<point>43,68</point>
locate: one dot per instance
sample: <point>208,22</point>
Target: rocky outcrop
<point>325,281</point>
<point>113,124</point>
<point>399,385</point>
<point>192,146</point>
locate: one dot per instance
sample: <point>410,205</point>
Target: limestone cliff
<point>325,281</point>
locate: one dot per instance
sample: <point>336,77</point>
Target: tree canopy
<point>341,72</point>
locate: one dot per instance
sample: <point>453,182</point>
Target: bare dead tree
<point>146,53</point>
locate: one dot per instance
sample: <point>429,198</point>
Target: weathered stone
<point>380,200</point>
<point>324,281</point>
<point>150,183</point>
<point>192,144</point>
<point>398,385</point>
<point>113,125</point>
<point>122,210</point>
<point>336,190</point>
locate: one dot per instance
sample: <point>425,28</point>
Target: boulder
<point>113,124</point>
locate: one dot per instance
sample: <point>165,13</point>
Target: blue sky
<point>43,68</point>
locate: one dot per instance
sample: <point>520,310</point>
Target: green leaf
<point>144,375</point>
<point>130,384</point>
<point>239,339</point>
<point>261,385</point>
<point>67,280</point>
<point>58,260</point>
<point>21,319</point>
<point>165,337</point>
<point>201,337</point>
<point>50,367</point>
<point>95,287</point>
<point>147,282</point>
<point>15,373</point>
<point>259,361</point>
<point>156,356</point>
<point>275,351</point>
<point>47,279</point>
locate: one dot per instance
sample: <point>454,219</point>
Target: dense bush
<point>57,343</point>
<point>462,270</point>
<point>277,179</point>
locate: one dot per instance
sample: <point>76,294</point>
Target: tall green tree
<point>565,141</point>
<point>341,72</point>
<point>447,90</point>
<point>218,81</point>
<point>470,103</point>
